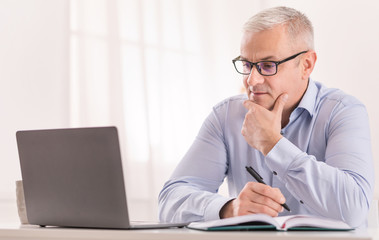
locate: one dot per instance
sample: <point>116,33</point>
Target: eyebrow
<point>268,58</point>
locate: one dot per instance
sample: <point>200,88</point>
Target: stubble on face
<point>271,45</point>
<point>261,95</point>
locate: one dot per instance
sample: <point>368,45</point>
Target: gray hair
<point>298,25</point>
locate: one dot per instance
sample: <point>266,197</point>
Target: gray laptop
<point>74,178</point>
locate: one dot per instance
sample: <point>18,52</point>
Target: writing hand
<point>255,198</point>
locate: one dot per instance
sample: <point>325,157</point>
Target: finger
<point>272,193</point>
<point>280,103</point>
<point>252,106</point>
<point>261,208</point>
<point>250,201</point>
<point>267,202</point>
<point>282,199</point>
<point>249,104</point>
<point>244,206</point>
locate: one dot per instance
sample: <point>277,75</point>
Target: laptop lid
<point>73,177</point>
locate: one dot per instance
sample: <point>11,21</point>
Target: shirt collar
<point>308,101</point>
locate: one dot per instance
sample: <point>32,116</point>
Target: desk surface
<point>35,232</point>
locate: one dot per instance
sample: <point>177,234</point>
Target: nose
<point>254,77</point>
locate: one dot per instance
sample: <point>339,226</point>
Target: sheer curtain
<point>154,69</point>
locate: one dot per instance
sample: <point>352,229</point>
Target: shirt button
<point>275,173</point>
<point>301,201</point>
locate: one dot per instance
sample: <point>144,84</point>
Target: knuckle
<point>263,209</point>
<point>251,185</point>
<point>273,214</point>
<point>269,211</point>
<point>243,131</point>
<point>242,195</point>
<point>266,190</point>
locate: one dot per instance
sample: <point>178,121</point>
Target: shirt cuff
<point>212,211</point>
<point>281,156</point>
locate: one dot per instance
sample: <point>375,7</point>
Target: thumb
<point>280,102</point>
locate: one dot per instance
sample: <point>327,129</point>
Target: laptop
<point>74,178</point>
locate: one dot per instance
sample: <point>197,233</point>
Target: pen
<point>260,180</point>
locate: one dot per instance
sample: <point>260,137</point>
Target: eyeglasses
<point>265,68</point>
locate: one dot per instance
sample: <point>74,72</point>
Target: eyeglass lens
<point>264,68</point>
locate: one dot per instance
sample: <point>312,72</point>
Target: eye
<point>267,65</point>
<point>267,68</point>
<point>246,66</point>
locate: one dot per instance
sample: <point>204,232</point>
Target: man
<point>310,144</point>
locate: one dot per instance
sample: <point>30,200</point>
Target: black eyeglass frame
<point>277,63</point>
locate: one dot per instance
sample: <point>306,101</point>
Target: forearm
<point>182,200</point>
<point>191,193</point>
<point>331,192</point>
<point>340,192</point>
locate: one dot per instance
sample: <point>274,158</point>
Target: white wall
<point>33,76</point>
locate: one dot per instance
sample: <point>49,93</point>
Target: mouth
<point>254,94</point>
<point>258,93</point>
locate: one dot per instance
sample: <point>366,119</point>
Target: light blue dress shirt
<point>322,165</point>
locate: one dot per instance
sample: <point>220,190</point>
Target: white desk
<point>34,232</point>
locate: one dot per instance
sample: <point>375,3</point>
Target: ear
<point>309,61</point>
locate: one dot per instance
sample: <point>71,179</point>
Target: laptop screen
<point>73,177</point>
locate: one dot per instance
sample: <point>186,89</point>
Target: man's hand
<point>261,127</point>
<point>255,198</point>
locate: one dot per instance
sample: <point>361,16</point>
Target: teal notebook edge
<point>319,229</point>
<point>238,228</point>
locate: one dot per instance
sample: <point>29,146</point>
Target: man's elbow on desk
<point>355,215</point>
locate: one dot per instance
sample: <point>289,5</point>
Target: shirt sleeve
<point>341,185</point>
<point>191,192</point>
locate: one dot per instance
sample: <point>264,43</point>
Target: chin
<point>268,106</point>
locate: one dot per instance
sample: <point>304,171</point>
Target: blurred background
<point>154,69</point>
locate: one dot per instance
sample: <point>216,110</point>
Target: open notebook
<point>74,178</point>
<point>265,222</point>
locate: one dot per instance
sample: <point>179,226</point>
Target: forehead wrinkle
<point>268,58</point>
